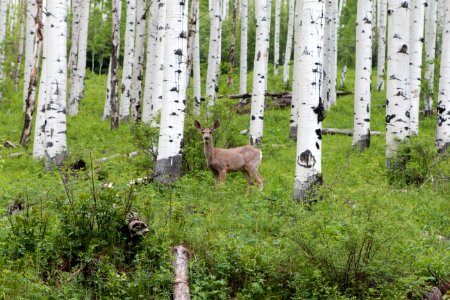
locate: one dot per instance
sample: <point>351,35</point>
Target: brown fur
<point>245,159</point>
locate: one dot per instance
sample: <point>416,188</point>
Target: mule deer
<point>245,159</point>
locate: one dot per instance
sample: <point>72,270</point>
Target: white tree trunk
<point>3,26</point>
<point>170,144</point>
<point>55,113</point>
<point>443,105</point>
<point>293,122</point>
<point>415,64</point>
<point>107,107</point>
<point>22,12</point>
<point>150,67</point>
<point>333,58</point>
<point>276,56</point>
<point>309,137</point>
<point>341,7</point>
<point>363,73</point>
<point>29,44</point>
<point>158,74</point>
<point>381,58</point>
<point>181,269</point>
<point>326,83</point>
<point>430,53</point>
<point>40,124</point>
<point>225,8</point>
<point>397,90</point>
<point>114,69</point>
<point>196,65</point>
<point>244,41</point>
<point>260,71</point>
<point>138,64</point>
<point>78,56</point>
<point>128,60</point>
<point>288,50</point>
<point>212,79</point>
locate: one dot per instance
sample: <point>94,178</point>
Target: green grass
<point>244,244</point>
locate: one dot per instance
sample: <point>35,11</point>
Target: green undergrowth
<point>370,234</point>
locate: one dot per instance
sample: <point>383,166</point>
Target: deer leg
<point>223,176</point>
<point>254,172</point>
<point>216,180</point>
<point>248,177</point>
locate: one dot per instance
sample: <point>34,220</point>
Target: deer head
<point>207,132</point>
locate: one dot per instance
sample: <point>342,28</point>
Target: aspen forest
<point>225,149</point>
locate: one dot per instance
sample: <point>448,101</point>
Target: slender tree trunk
<point>29,43</point>
<point>259,72</point>
<point>128,60</point>
<point>363,73</point>
<point>381,58</point>
<point>212,79</point>
<point>430,54</point>
<point>341,6</point>
<point>181,269</point>
<point>157,90</point>
<point>276,56</point>
<point>397,94</point>
<point>295,82</point>
<point>34,77</point>
<point>196,58</point>
<point>115,38</point>
<point>443,105</point>
<point>415,64</point>
<point>192,29</point>
<point>55,113</point>
<point>23,12</point>
<point>333,58</point>
<point>78,52</point>
<point>232,43</point>
<point>3,27</point>
<point>170,144</point>
<point>290,32</point>
<point>326,56</point>
<point>343,75</point>
<point>311,111</point>
<point>39,128</point>
<point>138,64</point>
<point>243,56</point>
<point>150,68</point>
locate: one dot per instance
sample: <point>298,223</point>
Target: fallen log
<point>333,131</point>
<point>17,154</point>
<point>136,226</point>
<point>180,269</point>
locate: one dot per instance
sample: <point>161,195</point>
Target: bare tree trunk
<point>276,44</point>
<point>293,118</point>
<point>381,45</point>
<point>244,47</point>
<point>192,31</point>
<point>290,33</point>
<point>21,43</point>
<point>430,54</point>
<point>115,38</point>
<point>181,268</point>
<point>29,52</point>
<point>34,78</point>
<point>197,74</point>
<point>232,43</point>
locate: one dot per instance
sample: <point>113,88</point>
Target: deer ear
<point>216,124</point>
<point>198,125</point>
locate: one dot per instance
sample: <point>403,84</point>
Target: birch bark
<point>260,71</point>
<point>443,105</point>
<point>326,56</point>
<point>381,56</point>
<point>276,56</point>
<point>138,63</point>
<point>288,50</point>
<point>55,113</point>
<point>415,64</point>
<point>363,73</point>
<point>311,111</point>
<point>397,91</point>
<point>430,54</point>
<point>29,44</point>
<point>212,84</point>
<point>114,69</point>
<point>196,64</point>
<point>170,144</point>
<point>78,57</point>
<point>244,42</point>
<point>293,127</point>
<point>128,60</point>
<point>333,59</point>
<point>3,27</point>
<point>150,67</point>
<point>22,12</point>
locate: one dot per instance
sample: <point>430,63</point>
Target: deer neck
<point>209,151</point>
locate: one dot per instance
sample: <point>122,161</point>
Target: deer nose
<point>206,138</point>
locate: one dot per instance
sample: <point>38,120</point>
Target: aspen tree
<point>430,54</point>
<point>244,47</point>
<point>381,56</point>
<point>293,118</point>
<point>212,74</point>
<point>288,50</point>
<point>276,56</point>
<point>196,64</point>
<point>29,44</point>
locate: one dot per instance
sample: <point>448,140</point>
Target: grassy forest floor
<point>371,234</point>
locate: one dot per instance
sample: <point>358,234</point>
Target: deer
<point>221,161</point>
